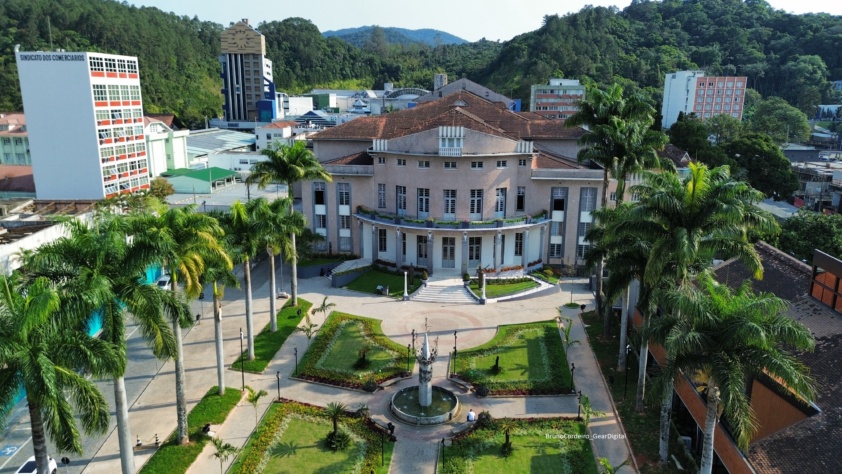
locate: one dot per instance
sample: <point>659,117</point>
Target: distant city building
<point>167,147</point>
<point>837,85</point>
<point>247,85</point>
<point>14,140</point>
<point>558,100</point>
<point>84,117</point>
<point>693,92</point>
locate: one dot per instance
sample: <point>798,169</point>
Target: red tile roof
<point>361,158</point>
<point>282,124</point>
<point>16,178</point>
<point>15,120</point>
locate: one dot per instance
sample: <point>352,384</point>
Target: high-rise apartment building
<point>558,100</point>
<point>247,85</point>
<point>705,96</point>
<point>84,116</point>
<point>14,141</point>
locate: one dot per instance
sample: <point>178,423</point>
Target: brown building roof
<point>15,122</point>
<point>361,158</point>
<point>284,124</point>
<point>813,444</point>
<point>17,178</point>
<point>678,156</point>
<point>166,118</point>
<point>460,108</point>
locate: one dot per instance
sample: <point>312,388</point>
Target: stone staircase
<point>449,291</point>
<point>351,264</point>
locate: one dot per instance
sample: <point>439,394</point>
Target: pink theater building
<point>705,96</point>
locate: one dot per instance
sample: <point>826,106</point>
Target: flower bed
<point>497,287</point>
<point>532,362</point>
<point>539,445</point>
<point>316,365</point>
<point>266,445</point>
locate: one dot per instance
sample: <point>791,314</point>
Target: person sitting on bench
<point>471,415</point>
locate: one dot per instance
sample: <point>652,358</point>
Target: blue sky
<point>468,19</point>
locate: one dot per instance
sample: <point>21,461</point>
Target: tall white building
<point>247,86</point>
<point>84,116</point>
<point>705,96</point>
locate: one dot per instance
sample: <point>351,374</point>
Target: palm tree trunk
<point>600,300</point>
<point>294,277</point>
<point>641,375</point>
<point>39,440</point>
<point>217,332</point>
<point>273,320</point>
<point>124,433</point>
<point>249,323</point>
<point>710,428</point>
<point>180,399</point>
<point>664,441</point>
<point>624,331</point>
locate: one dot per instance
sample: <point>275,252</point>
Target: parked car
<point>165,282</point>
<point>30,468</point>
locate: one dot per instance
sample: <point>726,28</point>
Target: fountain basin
<point>406,408</point>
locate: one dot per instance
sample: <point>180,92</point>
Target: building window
<point>475,165</point>
<point>401,162</point>
<point>555,251</point>
<point>97,64</point>
<point>381,240</point>
<point>344,192</point>
<point>381,196</point>
<point>110,65</point>
<point>450,165</point>
<point>100,92</point>
<point>474,248</point>
<point>476,201</point>
<point>500,203</point>
<point>502,164</point>
<point>401,199</point>
<point>559,195</point>
<point>345,244</point>
<point>321,221</point>
<point>7,141</point>
<point>556,228</point>
<point>521,162</point>
<point>519,244</point>
<point>520,204</point>
<point>423,201</point>
<point>450,201</point>
<point>612,196</point>
<point>18,141</point>
<point>423,163</point>
<point>344,222</point>
<point>318,193</point>
<point>381,160</point>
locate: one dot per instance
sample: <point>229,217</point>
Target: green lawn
<point>345,351</point>
<point>172,458</point>
<point>368,282</point>
<point>531,356</point>
<point>496,290</point>
<point>547,277</point>
<point>267,343</point>
<point>540,446</point>
<point>291,439</point>
<point>331,357</point>
<point>642,429</point>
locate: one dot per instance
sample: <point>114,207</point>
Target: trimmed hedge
<point>308,370</point>
<point>173,458</point>
<point>268,343</point>
<point>265,437</point>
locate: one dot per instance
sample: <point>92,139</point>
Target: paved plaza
<point>153,406</point>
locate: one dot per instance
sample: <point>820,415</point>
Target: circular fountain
<point>425,404</point>
<point>406,407</point>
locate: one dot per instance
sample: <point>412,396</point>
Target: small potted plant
<point>466,224</point>
<point>466,279</point>
<point>424,278</point>
<point>431,223</point>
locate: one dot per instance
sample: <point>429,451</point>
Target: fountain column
<point>425,373</point>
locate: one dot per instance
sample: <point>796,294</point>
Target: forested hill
<point>362,35</point>
<point>792,56</point>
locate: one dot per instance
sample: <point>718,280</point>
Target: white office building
<point>84,116</point>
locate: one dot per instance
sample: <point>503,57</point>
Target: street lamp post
<point>453,369</point>
<point>408,357</point>
<point>242,361</point>
<point>405,293</point>
<point>579,406</point>
<point>442,452</point>
<point>295,370</point>
<point>413,340</point>
<point>626,384</point>
<point>278,375</point>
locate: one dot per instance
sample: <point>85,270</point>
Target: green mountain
<point>791,56</point>
<point>360,36</point>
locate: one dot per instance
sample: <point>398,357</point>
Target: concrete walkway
<point>417,447</point>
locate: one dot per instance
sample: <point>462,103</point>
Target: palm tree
<point>725,339</point>
<point>308,328</point>
<point>288,165</point>
<point>334,411</point>
<point>688,222</point>
<point>619,140</point>
<point>276,225</point>
<point>183,240</point>
<point>43,351</point>
<point>244,238</point>
<point>325,307</point>
<point>222,451</point>
<point>103,270</point>
<point>219,274</point>
<point>254,397</point>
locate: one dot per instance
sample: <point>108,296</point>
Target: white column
<point>405,293</point>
